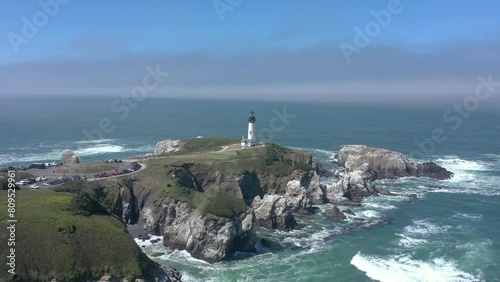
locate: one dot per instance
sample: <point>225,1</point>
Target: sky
<point>406,51</point>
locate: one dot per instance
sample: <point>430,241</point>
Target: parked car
<point>34,186</point>
<point>30,180</point>
<point>46,184</point>
<point>40,178</point>
<point>22,182</point>
<point>102,174</point>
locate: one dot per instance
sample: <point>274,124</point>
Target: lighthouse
<point>250,140</point>
<point>251,127</point>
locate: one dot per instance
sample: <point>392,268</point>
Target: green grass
<point>214,201</point>
<point>221,204</point>
<point>182,194</point>
<point>52,242</point>
<point>198,145</point>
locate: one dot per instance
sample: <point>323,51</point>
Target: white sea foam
<point>471,177</point>
<point>379,206</point>
<point>97,141</point>
<point>314,241</point>
<point>470,216</point>
<point>403,268</point>
<point>147,243</point>
<point>11,158</point>
<point>371,214</point>
<point>455,163</point>
<point>98,150</point>
<point>185,256</point>
<point>464,170</point>
<point>409,242</point>
<point>423,228</point>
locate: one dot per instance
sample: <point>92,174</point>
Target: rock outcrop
<point>168,146</point>
<point>69,157</point>
<point>385,164</point>
<point>275,211</point>
<point>335,213</point>
<point>361,165</point>
<point>207,237</point>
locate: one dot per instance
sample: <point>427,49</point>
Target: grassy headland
<point>271,159</point>
<point>52,241</point>
<point>67,235</point>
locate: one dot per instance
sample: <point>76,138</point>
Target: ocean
<point>450,233</point>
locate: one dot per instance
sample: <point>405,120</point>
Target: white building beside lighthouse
<point>251,139</point>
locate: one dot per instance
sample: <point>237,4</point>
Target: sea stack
<point>168,146</point>
<point>69,157</point>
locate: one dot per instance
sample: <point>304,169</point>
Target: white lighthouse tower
<point>251,139</point>
<point>251,127</point>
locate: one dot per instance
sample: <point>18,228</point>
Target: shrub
<point>4,184</point>
<point>84,204</point>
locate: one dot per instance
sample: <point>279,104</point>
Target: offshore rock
<point>168,146</point>
<point>69,157</point>
<point>362,165</point>
<point>386,164</point>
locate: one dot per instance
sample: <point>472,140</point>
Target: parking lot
<point>56,175</point>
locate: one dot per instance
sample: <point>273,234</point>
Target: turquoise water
<point>450,233</point>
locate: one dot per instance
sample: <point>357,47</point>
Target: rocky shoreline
<point>272,201</point>
<point>208,197</point>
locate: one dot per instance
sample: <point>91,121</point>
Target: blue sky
<point>258,34</point>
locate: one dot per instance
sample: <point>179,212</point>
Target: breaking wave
<point>404,268</point>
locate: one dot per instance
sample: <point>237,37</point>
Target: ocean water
<point>450,233</point>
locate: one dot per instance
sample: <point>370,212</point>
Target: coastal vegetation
<point>53,227</point>
<point>197,145</point>
<point>86,217</point>
<point>271,159</point>
<point>4,184</point>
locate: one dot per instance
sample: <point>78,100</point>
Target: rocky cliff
<point>208,237</point>
<point>210,203</point>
